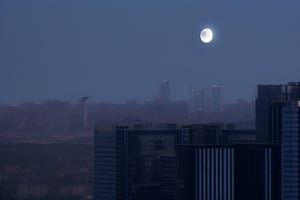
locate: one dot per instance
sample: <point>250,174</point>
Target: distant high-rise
<point>164,92</point>
<point>197,100</point>
<point>216,99</point>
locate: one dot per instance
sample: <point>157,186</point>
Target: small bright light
<point>206,35</point>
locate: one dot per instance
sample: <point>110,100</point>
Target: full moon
<point>206,35</point>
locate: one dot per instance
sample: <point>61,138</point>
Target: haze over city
<point>115,51</point>
<point>149,100</point>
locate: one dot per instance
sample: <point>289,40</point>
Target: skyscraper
<point>266,96</point>
<point>164,92</point>
<point>229,172</point>
<point>290,152</point>
<point>197,100</point>
<point>285,129</point>
<point>278,122</point>
<point>135,162</point>
<point>293,91</point>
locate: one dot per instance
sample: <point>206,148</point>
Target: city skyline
<point>162,94</point>
<point>58,49</point>
<point>149,100</point>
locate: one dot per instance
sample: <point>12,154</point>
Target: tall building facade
<point>290,152</point>
<point>105,182</point>
<point>139,161</point>
<point>278,122</point>
<point>229,172</point>
<point>135,162</point>
<point>215,133</point>
<point>266,96</point>
<point>285,129</point>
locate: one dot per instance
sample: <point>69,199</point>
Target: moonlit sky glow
<point>115,50</point>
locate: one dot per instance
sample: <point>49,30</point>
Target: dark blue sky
<point>118,50</point>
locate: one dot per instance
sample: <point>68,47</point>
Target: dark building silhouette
<point>267,95</point>
<point>136,162</point>
<point>284,126</point>
<point>139,161</point>
<point>278,122</point>
<point>215,133</point>
<point>229,172</point>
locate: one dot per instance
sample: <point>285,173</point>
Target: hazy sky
<point>119,50</point>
